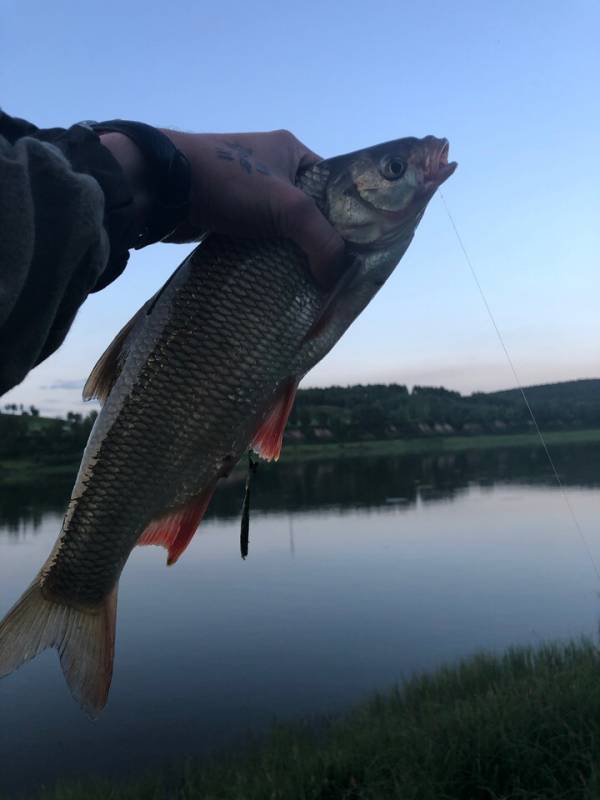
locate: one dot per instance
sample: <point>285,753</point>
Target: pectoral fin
<point>269,437</point>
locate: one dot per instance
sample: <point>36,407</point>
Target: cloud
<point>78,384</point>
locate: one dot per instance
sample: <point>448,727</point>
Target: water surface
<point>361,571</point>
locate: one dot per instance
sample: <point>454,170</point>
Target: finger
<point>299,219</point>
<point>307,158</point>
<point>300,154</point>
<point>183,233</point>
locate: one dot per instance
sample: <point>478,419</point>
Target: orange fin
<point>175,531</point>
<point>269,437</point>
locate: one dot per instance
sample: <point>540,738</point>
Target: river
<point>361,572</point>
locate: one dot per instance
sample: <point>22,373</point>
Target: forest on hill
<point>381,411</point>
<point>350,414</point>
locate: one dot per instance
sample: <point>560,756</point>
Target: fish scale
<point>185,371</point>
<point>208,367</point>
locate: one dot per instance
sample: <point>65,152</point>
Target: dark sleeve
<point>66,224</point>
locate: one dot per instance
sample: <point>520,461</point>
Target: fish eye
<point>393,168</point>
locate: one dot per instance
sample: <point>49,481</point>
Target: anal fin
<point>269,437</point>
<point>175,530</point>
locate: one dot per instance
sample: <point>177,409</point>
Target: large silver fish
<point>208,367</point>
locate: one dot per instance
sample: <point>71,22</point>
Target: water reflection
<point>361,571</point>
<point>348,483</point>
<point>24,507</point>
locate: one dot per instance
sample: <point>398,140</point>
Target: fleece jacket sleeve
<point>66,221</point>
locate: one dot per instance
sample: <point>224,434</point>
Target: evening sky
<point>512,85</point>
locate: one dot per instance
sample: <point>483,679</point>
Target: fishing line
<point>522,391</point>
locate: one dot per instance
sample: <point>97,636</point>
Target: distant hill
<point>582,391</point>
<point>354,413</point>
<point>390,411</point>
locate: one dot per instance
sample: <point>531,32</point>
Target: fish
<point>205,370</point>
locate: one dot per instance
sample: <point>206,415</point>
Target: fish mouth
<point>440,167</point>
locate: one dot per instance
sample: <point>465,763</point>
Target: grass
<point>20,472</point>
<point>25,471</point>
<point>436,444</point>
<point>521,726</point>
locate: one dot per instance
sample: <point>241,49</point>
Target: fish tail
<point>84,639</point>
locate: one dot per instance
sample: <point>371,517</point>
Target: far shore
<point>25,471</point>
<point>436,444</point>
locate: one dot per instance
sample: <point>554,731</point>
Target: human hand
<point>243,185</point>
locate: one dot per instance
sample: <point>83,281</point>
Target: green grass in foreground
<point>523,725</point>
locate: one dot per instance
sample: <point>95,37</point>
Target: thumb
<point>299,219</point>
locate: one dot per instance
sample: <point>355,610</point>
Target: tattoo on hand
<point>241,154</point>
<point>243,151</point>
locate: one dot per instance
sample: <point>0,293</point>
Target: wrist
<point>136,173</point>
<point>187,145</point>
<point>160,176</point>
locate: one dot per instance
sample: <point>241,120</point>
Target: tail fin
<point>85,640</point>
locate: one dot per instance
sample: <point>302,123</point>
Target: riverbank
<point>436,444</point>
<point>26,471</point>
<point>522,725</point>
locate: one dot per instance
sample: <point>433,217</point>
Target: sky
<point>512,85</point>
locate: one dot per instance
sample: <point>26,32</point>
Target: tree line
<point>24,433</point>
<point>380,411</point>
<point>351,413</point>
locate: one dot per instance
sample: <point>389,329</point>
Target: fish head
<point>375,198</point>
<point>378,195</point>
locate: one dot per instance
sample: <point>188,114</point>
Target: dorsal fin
<point>104,375</point>
<point>108,368</point>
